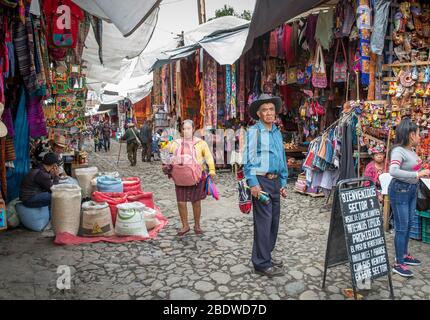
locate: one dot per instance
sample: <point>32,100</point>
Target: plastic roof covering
<point>126,15</point>
<point>269,14</point>
<point>115,48</point>
<point>223,39</point>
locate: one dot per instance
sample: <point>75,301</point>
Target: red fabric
<point>50,11</point>
<point>147,198</point>
<point>112,199</point>
<point>131,184</point>
<point>286,92</point>
<point>69,239</point>
<point>289,50</point>
<point>273,44</point>
<point>372,173</point>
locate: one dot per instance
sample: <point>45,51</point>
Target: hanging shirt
<point>264,153</point>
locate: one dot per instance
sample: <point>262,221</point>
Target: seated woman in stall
<point>376,167</point>
<point>36,187</point>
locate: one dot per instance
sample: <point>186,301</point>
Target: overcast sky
<point>181,15</point>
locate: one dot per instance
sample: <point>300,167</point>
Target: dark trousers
<point>266,223</point>
<point>38,201</point>
<point>106,143</point>
<point>147,151</point>
<point>132,152</point>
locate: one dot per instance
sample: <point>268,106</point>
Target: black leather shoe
<point>270,272</point>
<point>277,263</point>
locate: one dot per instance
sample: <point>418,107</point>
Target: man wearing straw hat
<point>266,172</point>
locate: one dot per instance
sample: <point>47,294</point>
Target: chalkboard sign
<point>356,233</point>
<point>365,240</point>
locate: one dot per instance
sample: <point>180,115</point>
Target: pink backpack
<point>186,171</point>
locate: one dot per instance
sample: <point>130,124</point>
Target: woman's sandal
<point>198,230</point>
<point>181,233</point>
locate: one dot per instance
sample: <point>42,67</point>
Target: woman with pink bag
<point>187,168</point>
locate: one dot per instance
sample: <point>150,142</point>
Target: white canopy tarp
<point>115,48</point>
<point>126,15</point>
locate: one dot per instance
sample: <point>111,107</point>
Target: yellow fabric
<point>203,154</point>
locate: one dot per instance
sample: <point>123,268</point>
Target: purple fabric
<point>8,121</point>
<point>310,31</point>
<point>36,117</point>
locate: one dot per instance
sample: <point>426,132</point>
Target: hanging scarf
<point>21,145</point>
<point>227,91</point>
<point>210,87</point>
<point>233,98</point>
<point>287,44</point>
<point>281,47</point>
<point>36,117</point>
<point>364,24</point>
<point>241,98</point>
<point>221,90</point>
<point>310,31</point>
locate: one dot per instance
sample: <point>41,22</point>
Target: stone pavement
<point>215,265</point>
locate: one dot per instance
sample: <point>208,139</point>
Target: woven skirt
<point>192,193</point>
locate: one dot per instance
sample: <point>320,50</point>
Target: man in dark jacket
<point>107,132</point>
<point>36,187</point>
<point>146,139</point>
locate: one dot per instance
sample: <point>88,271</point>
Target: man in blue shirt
<point>265,169</point>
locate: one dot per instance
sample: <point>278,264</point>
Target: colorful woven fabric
<point>364,16</point>
<point>36,117</point>
<point>221,89</point>
<point>210,88</point>
<point>156,89</point>
<point>227,91</point>
<point>233,96</point>
<point>241,96</point>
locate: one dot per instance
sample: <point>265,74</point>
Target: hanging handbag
<point>292,75</point>
<point>340,69</point>
<point>319,75</point>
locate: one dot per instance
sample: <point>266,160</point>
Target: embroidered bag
<point>340,68</point>
<point>319,75</point>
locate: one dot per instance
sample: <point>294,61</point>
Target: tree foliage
<point>229,11</point>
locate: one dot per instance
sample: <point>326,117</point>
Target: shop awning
<point>269,14</point>
<point>107,107</point>
<point>222,38</point>
<point>126,15</point>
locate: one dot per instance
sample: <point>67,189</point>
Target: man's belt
<point>271,176</point>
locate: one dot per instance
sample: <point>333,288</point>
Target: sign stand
<point>356,234</point>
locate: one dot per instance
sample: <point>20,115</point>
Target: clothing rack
<point>344,117</point>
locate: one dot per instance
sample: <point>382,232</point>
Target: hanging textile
<point>372,79</point>
<point>210,88</point>
<point>364,25</point>
<point>165,87</point>
<point>233,97</point>
<point>36,117</point>
<point>157,87</point>
<point>97,25</point>
<point>21,145</point>
<point>25,60</point>
<point>347,168</point>
<point>39,62</point>
<point>281,47</point>
<point>273,45</point>
<point>324,28</point>
<point>287,43</point>
<point>84,28</point>
<point>382,11</point>
<point>10,49</point>
<point>227,91</point>
<point>178,88</point>
<point>310,31</point>
<point>221,91</point>
<point>241,89</point>
<point>3,178</point>
<point>8,121</point>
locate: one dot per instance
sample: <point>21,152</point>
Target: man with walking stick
<point>133,143</point>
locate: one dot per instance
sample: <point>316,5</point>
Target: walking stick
<point>119,153</point>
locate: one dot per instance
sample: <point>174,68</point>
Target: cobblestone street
<point>215,265</point>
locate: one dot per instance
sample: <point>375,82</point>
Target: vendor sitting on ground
<point>376,167</point>
<point>36,187</point>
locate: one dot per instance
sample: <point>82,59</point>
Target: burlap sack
<point>66,208</point>
<point>84,176</point>
<point>96,219</point>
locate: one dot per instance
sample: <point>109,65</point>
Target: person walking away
<point>406,170</point>
<point>107,133</point>
<point>265,170</point>
<point>197,149</point>
<point>131,136</point>
<point>146,139</point>
<point>35,189</point>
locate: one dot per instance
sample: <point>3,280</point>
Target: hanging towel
<point>233,97</point>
